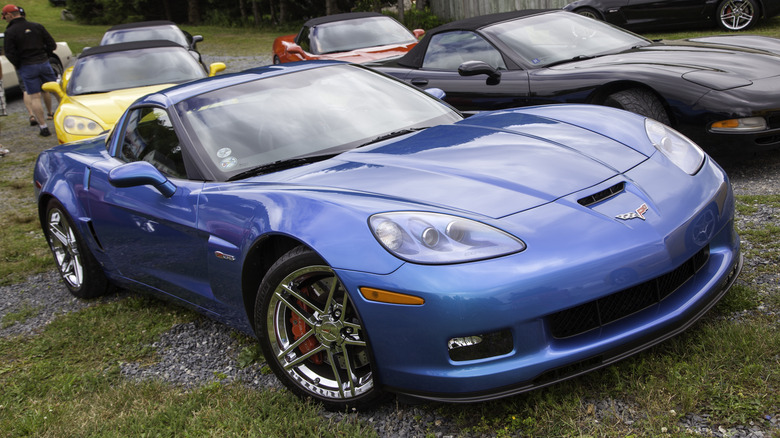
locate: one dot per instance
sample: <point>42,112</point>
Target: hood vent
<point>602,195</point>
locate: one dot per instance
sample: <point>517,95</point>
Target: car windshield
<point>104,72</point>
<point>552,38</point>
<point>315,112</point>
<point>166,32</point>
<point>343,36</point>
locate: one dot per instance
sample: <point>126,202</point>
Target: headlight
<point>747,124</point>
<point>434,238</point>
<point>76,125</point>
<point>679,149</point>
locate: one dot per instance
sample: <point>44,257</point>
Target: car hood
<point>106,108</point>
<point>480,165</point>
<point>720,63</point>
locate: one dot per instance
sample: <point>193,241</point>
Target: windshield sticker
<point>224,152</point>
<point>228,163</point>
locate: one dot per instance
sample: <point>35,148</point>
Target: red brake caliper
<point>299,328</point>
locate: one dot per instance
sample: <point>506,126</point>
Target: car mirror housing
<point>216,67</point>
<point>141,173</point>
<point>53,87</point>
<point>475,68</point>
<point>436,92</point>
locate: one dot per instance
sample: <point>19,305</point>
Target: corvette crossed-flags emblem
<point>638,213</point>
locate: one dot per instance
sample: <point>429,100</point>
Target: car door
<point>663,12</point>
<point>447,51</point>
<point>151,238</point>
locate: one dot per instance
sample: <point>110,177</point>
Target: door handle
<point>420,82</point>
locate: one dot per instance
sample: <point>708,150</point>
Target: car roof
<point>121,47</point>
<point>341,17</point>
<point>141,24</point>
<point>414,57</point>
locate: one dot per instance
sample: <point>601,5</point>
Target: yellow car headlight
<point>77,125</point>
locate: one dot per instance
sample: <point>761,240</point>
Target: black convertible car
<point>645,15</point>
<point>723,92</point>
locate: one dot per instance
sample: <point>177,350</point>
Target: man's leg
<point>37,108</point>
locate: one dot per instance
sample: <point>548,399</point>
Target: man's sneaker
<point>45,132</point>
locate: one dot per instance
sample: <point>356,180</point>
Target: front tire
<point>737,14</point>
<point>590,13</point>
<point>310,334</point>
<point>79,269</point>
<point>639,101</point>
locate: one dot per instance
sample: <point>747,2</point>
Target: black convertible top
<point>414,57</point>
<point>141,24</point>
<point>340,17</point>
<point>119,47</point>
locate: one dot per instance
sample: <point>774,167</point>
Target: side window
<point>303,40</point>
<point>149,136</point>
<point>447,51</point>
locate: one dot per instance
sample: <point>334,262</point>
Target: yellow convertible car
<point>106,79</point>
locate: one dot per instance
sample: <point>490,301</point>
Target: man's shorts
<point>35,75</point>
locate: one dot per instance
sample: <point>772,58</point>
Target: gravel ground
<point>196,353</point>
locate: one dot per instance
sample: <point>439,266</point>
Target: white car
<point>62,59</point>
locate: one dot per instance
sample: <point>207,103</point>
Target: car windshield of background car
<point>168,33</point>
<point>106,72</point>
<point>320,111</point>
<point>343,36</point>
<point>551,38</point>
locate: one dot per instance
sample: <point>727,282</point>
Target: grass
<point>65,381</point>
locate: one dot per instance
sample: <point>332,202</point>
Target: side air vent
<point>602,195</point>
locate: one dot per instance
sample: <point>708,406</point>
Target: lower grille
<point>597,313</point>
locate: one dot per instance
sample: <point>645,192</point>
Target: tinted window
<point>150,137</point>
<point>105,72</point>
<point>447,51</point>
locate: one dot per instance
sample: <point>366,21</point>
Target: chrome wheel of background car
<point>639,101</point>
<point>737,14</point>
<point>78,267</point>
<point>311,335</point>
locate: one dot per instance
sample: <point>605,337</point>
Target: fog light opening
<point>480,346</point>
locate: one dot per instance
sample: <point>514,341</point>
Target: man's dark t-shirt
<point>27,43</point>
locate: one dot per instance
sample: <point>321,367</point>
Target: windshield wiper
<point>574,59</point>
<point>280,165</point>
<point>393,134</point>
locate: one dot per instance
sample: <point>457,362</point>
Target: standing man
<point>27,47</point>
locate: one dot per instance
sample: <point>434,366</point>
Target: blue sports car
<point>374,241</point>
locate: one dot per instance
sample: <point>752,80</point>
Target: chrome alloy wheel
<point>316,337</point>
<point>64,244</point>
<point>737,14</point>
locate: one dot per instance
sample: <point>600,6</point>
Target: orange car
<point>355,37</point>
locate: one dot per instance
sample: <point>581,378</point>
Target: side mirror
<point>418,33</point>
<point>196,39</point>
<point>436,92</point>
<point>141,173</point>
<point>54,87</point>
<point>295,49</point>
<point>475,68</point>
<point>216,67</point>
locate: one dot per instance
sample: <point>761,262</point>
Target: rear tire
<point>78,268</point>
<point>639,101</point>
<point>311,335</point>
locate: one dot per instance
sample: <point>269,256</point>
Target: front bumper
<point>522,295</point>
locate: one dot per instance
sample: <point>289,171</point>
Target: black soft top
<point>141,24</point>
<point>414,57</point>
<point>340,17</point>
<point>133,45</point>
